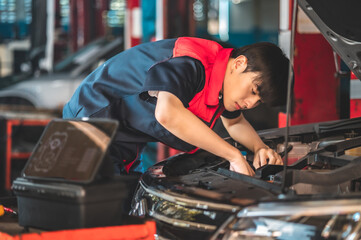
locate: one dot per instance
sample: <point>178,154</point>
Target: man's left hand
<point>265,156</point>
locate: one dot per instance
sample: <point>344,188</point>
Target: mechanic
<point>173,90</point>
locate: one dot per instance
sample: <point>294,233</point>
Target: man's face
<point>240,89</point>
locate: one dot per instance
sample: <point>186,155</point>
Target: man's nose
<point>252,101</point>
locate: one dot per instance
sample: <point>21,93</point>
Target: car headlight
<point>331,219</point>
<point>179,210</point>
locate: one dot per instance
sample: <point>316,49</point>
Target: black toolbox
<point>68,181</point>
<point>55,206</point>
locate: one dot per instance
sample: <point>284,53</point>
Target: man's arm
<point>178,120</point>
<point>241,131</point>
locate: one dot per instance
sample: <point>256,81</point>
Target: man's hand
<point>241,166</point>
<point>265,156</point>
<point>241,131</point>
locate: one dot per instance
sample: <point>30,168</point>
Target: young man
<point>173,90</point>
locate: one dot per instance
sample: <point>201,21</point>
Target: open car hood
<point>340,23</point>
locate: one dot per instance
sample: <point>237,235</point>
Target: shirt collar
<point>217,76</point>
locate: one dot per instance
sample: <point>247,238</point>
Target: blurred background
<point>39,37</point>
<point>47,47</point>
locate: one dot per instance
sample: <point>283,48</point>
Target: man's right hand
<point>241,166</point>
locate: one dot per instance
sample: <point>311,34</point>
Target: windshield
<point>79,57</point>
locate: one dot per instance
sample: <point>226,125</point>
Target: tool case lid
<point>71,150</point>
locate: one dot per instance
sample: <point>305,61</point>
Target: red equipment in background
<point>316,86</point>
<point>133,24</point>
<point>321,93</point>
<point>355,102</point>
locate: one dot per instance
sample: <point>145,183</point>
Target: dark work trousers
<point>125,156</point>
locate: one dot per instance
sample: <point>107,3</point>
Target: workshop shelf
<point>19,135</point>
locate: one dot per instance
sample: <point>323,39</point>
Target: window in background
<point>237,22</point>
<point>116,16</point>
<point>15,19</point>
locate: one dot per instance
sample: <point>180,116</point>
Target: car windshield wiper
<point>349,172</point>
<point>339,125</point>
<point>274,188</point>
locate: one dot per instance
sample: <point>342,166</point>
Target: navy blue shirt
<point>119,90</point>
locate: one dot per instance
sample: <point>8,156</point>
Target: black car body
<point>197,191</point>
<point>195,196</point>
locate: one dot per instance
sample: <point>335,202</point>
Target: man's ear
<point>240,63</point>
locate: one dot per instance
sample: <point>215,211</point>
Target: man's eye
<point>253,92</point>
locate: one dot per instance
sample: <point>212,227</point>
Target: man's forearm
<point>186,126</point>
<point>245,134</point>
<point>172,115</point>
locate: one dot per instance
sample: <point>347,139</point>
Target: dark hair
<point>272,65</point>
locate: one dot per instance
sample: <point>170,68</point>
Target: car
<point>52,90</point>
<point>316,196</point>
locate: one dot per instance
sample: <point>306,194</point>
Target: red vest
<point>214,58</point>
